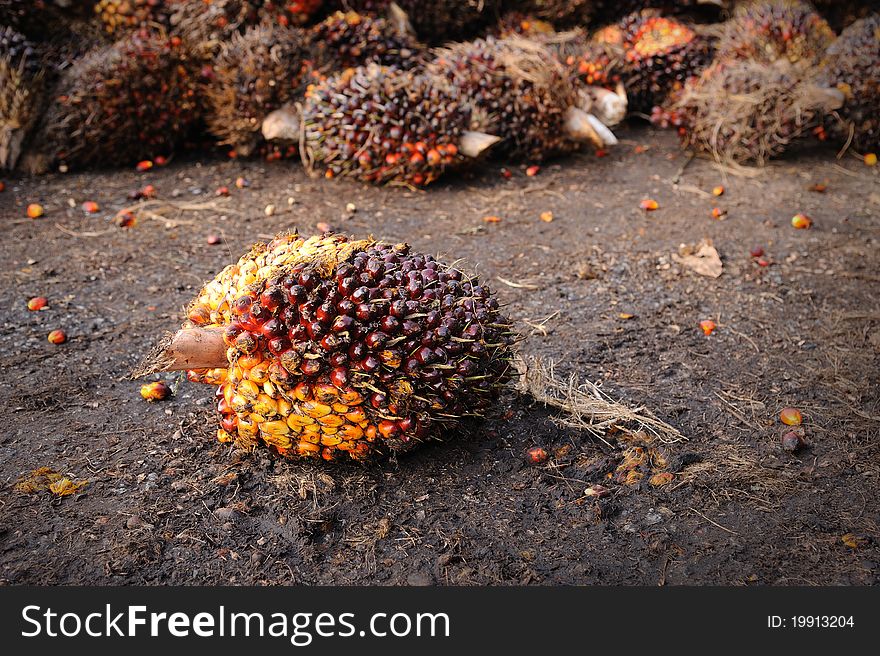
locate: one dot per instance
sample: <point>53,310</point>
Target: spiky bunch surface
<point>743,111</point>
<point>382,125</point>
<point>767,30</point>
<point>132,100</point>
<point>516,90</point>
<point>349,39</point>
<point>852,65</point>
<point>659,55</point>
<point>254,74</point>
<point>349,347</point>
<point>118,16</point>
<point>561,13</point>
<point>587,61</point>
<point>436,21</point>
<point>21,83</point>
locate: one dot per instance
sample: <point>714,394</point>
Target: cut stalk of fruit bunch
<point>516,89</point>
<point>327,346</point>
<point>383,125</point>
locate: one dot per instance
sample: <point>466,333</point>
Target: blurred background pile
<point>399,92</point>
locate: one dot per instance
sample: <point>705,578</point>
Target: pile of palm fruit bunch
<point>127,101</point>
<point>517,90</point>
<point>116,81</point>
<point>434,22</point>
<point>766,90</point>
<point>253,75</point>
<point>658,55</point>
<point>326,347</point>
<point>385,125</point>
<point>852,66</point>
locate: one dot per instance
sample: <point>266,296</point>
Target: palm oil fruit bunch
<point>383,125</point>
<point>516,90</point>
<point>349,39</point>
<point>852,65</point>
<point>118,16</point>
<point>21,83</point>
<point>746,112</point>
<point>767,30</point>
<point>254,74</point>
<point>659,55</point>
<point>129,101</point>
<point>436,21</point>
<point>338,347</point>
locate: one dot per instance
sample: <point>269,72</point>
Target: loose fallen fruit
<point>547,217</point>
<point>801,221</point>
<point>222,191</point>
<point>241,183</point>
<point>756,251</point>
<point>708,326</point>
<point>718,191</point>
<point>532,171</point>
<point>160,161</point>
<point>2,186</point>
<point>213,240</point>
<point>819,187</point>
<point>792,441</point>
<point>57,337</point>
<point>35,210</point>
<point>791,417</point>
<point>649,205</point>
<point>155,391</point>
<point>506,174</point>
<point>144,165</point>
<point>492,219</point>
<point>536,455</point>
<point>126,219</point>
<point>323,227</point>
<point>90,207</point>
<point>37,303</point>
<point>871,159</point>
<point>718,213</point>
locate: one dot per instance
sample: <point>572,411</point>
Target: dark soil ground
<point>166,504</point>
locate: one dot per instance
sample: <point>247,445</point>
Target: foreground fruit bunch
<point>767,30</point>
<point>380,124</point>
<point>20,93</point>
<point>254,74</point>
<point>747,111</point>
<point>659,55</point>
<point>357,347</point>
<point>590,62</point>
<point>349,39</point>
<point>515,89</point>
<point>852,65</point>
<point>125,102</point>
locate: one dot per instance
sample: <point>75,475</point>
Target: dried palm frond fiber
<point>747,111</point>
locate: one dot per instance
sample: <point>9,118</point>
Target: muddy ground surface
<point>166,504</point>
